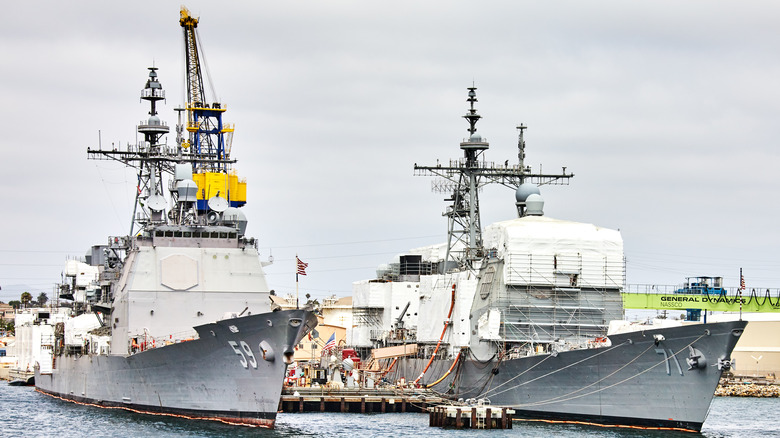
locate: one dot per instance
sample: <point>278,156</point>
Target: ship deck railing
<point>670,289</point>
<point>148,341</point>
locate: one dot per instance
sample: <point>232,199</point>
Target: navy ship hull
<point>224,375</point>
<point>642,379</point>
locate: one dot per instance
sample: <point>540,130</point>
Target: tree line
<point>26,300</point>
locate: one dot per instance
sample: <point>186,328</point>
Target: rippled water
<point>24,412</point>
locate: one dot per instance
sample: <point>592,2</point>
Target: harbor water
<point>25,412</point>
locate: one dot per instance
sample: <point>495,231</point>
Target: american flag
<point>301,266</point>
<point>331,344</point>
<point>741,280</point>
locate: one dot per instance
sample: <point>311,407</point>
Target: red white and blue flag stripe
<point>331,344</point>
<point>301,266</point>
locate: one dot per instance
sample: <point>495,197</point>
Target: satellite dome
<point>525,190</point>
<point>534,205</point>
<point>235,217</point>
<point>230,214</point>
<point>154,120</point>
<point>187,189</point>
<point>475,137</point>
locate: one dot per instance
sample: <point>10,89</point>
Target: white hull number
<point>245,353</point>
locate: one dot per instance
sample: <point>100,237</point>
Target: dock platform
<point>307,399</point>
<point>470,417</point>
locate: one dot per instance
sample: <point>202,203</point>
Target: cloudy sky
<point>666,112</point>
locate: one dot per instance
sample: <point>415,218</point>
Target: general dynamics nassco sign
<point>750,303</point>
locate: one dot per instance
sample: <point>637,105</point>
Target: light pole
<point>757,359</point>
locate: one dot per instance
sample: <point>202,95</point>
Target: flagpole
<point>300,269</point>
<point>741,286</point>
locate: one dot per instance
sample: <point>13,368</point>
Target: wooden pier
<point>470,417</point>
<point>299,399</point>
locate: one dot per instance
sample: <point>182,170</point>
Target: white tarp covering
<point>435,302</point>
<point>544,251</point>
<point>489,325</point>
<point>432,253</point>
<point>387,299</point>
<point>365,294</point>
<point>35,340</point>
<point>84,273</point>
<point>76,328</point>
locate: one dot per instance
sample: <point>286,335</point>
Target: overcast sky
<point>666,112</point>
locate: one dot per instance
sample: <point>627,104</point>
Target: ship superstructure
<point>517,313</point>
<point>179,319</point>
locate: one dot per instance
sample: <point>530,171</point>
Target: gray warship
<point>519,314</point>
<point>174,318</point>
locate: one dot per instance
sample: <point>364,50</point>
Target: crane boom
<point>195,90</point>
<point>209,139</point>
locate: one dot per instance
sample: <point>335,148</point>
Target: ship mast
<point>464,178</point>
<point>150,156</point>
<point>198,166</point>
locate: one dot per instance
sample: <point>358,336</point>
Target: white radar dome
<point>534,205</point>
<point>525,190</point>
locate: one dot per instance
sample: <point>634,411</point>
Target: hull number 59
<point>245,354</point>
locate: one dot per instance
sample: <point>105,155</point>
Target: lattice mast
<point>150,156</point>
<point>464,178</point>
<point>199,165</point>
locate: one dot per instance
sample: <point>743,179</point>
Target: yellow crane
<point>210,140</point>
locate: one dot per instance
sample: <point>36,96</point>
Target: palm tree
<point>26,298</point>
<point>42,299</point>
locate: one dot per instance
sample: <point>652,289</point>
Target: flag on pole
<point>331,344</point>
<point>301,266</point>
<point>741,288</point>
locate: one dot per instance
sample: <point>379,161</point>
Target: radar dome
<point>525,190</point>
<point>188,190</point>
<point>235,217</point>
<point>534,205</point>
<point>475,137</point>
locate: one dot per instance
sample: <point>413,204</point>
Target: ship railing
<point>175,338</point>
<point>670,289</point>
<point>650,289</point>
<point>153,92</point>
<point>147,147</point>
<point>146,341</point>
<point>157,123</point>
<point>376,335</point>
<point>546,333</point>
<point>564,270</point>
